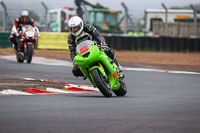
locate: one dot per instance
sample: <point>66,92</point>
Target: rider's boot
<point>121,75</point>
<point>84,77</point>
<point>117,63</point>
<point>14,41</point>
<point>15,46</point>
<point>110,54</point>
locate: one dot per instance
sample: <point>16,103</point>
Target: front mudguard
<point>100,70</point>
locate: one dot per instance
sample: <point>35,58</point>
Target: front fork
<point>25,45</point>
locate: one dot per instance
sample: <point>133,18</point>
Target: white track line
<point>54,62</point>
<point>14,92</point>
<point>159,70</point>
<point>41,60</point>
<point>86,87</point>
<point>30,79</point>
<point>59,91</point>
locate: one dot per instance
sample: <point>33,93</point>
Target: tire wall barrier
<point>53,40</point>
<point>4,40</point>
<point>169,44</point>
<point>47,40</point>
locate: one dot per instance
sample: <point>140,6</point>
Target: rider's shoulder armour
<point>17,20</point>
<point>89,28</point>
<point>32,20</point>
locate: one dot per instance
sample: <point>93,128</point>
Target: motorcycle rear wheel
<point>101,83</point>
<point>122,90</point>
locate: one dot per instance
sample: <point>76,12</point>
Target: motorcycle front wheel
<point>101,83</point>
<point>29,53</point>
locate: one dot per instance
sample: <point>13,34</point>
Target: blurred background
<point>137,16</point>
<point>130,18</point>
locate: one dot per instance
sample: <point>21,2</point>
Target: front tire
<point>100,82</point>
<point>29,53</point>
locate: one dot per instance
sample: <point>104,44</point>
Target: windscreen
<point>84,46</point>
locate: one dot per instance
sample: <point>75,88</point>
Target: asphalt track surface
<point>155,103</point>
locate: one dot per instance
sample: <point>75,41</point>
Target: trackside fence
<point>118,42</point>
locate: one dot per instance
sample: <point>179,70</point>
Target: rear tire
<point>29,53</point>
<point>122,90</point>
<point>100,82</point>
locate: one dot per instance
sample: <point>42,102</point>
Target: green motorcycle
<point>102,72</point>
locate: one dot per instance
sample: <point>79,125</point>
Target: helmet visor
<point>24,17</point>
<point>75,29</point>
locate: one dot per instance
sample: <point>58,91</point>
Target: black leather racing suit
<point>89,33</point>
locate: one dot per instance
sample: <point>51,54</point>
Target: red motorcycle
<point>27,42</point>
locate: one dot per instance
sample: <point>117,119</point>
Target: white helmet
<point>75,25</point>
<point>24,13</point>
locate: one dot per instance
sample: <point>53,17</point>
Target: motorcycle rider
<point>17,27</point>
<point>80,32</point>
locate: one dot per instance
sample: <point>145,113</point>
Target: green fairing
<point>86,64</point>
